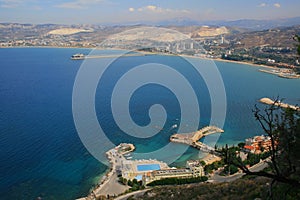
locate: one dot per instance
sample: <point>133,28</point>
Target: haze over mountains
<point>252,40</point>
<point>252,24</point>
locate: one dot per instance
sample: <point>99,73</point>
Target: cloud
<point>156,9</point>
<point>131,9</point>
<point>277,5</point>
<point>262,5</point>
<point>78,4</point>
<point>11,3</point>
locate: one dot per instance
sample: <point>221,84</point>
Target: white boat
<point>78,56</point>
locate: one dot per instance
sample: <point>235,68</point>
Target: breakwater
<point>193,138</point>
<point>278,103</point>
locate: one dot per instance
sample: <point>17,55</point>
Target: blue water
<point>41,154</point>
<point>148,167</point>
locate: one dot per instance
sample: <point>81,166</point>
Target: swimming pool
<point>139,177</point>
<point>148,167</point>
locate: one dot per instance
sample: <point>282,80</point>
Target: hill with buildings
<point>274,46</point>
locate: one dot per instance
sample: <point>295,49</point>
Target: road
<point>136,194</point>
<point>255,168</point>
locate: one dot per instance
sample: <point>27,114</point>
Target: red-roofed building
<point>257,144</point>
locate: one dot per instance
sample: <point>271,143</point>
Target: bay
<point>41,154</point>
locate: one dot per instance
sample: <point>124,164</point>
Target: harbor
<point>145,171</point>
<point>283,73</point>
<point>193,138</point>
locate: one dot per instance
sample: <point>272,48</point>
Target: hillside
<point>206,31</point>
<point>239,189</point>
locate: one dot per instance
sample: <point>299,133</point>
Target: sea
<point>43,156</point>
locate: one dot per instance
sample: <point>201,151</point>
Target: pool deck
<point>147,167</point>
<point>130,167</point>
<point>109,184</point>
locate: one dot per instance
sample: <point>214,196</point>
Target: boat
<point>174,126</point>
<point>78,56</point>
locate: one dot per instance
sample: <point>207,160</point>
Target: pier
<point>278,103</point>
<point>82,57</point>
<point>283,73</point>
<point>193,138</point>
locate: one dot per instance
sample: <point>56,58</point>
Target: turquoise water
<point>148,167</point>
<point>41,154</point>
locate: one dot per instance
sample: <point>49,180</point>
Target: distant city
<point>274,46</point>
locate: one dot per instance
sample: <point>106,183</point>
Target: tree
<point>297,39</point>
<point>283,127</point>
<point>241,144</point>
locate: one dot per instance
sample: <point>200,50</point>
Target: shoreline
<point>221,60</point>
<point>106,185</point>
<point>188,56</point>
<point>245,63</point>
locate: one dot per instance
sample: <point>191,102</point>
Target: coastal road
<point>255,168</point>
<point>112,187</point>
<point>135,194</point>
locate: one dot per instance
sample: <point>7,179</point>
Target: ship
<point>78,56</point>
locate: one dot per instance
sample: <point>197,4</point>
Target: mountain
<point>260,24</point>
<point>250,24</point>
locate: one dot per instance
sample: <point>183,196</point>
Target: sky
<point>136,11</point>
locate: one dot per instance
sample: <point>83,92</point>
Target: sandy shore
<point>188,56</point>
<point>109,184</point>
<point>111,187</point>
<point>210,158</point>
<point>244,63</point>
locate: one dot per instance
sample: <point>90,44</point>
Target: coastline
<point>188,56</point>
<point>108,184</point>
<point>191,56</point>
<point>244,63</point>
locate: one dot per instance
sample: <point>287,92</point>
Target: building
<point>258,144</point>
<point>195,167</point>
<point>171,173</point>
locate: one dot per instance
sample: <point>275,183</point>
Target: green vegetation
<point>134,184</point>
<point>252,159</point>
<point>229,170</point>
<point>214,166</point>
<point>178,181</point>
<point>297,39</point>
<point>240,189</point>
<point>123,180</point>
<point>283,127</point>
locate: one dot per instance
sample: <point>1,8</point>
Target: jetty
<point>109,185</point>
<point>278,103</point>
<point>82,57</point>
<point>283,73</point>
<point>193,138</point>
